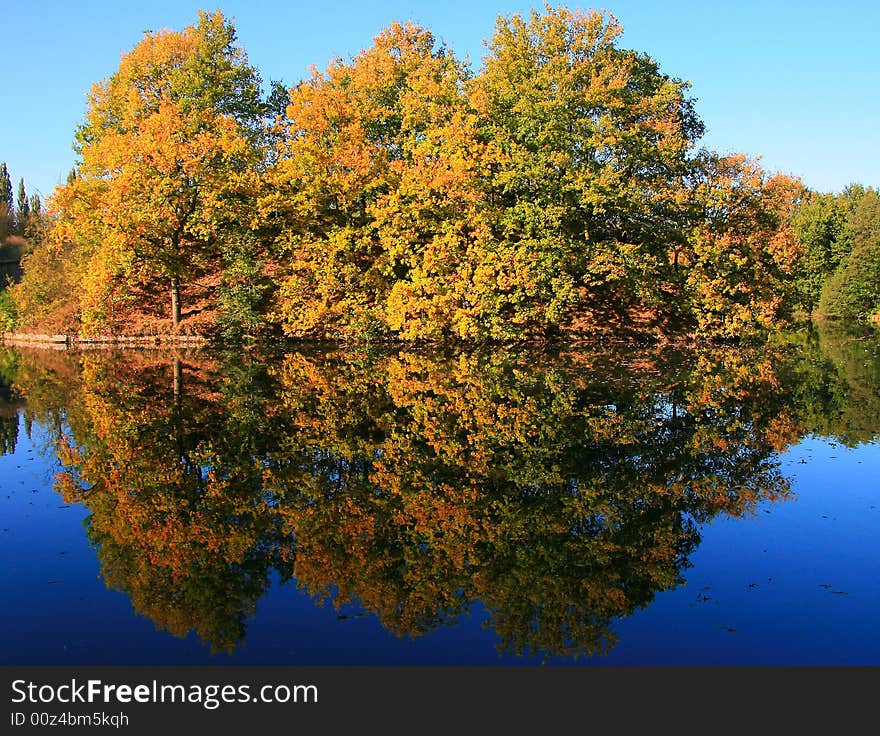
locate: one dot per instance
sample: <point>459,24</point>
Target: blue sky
<point>793,82</point>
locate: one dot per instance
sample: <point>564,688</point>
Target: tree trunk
<point>175,301</point>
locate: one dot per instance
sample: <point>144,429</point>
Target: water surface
<point>586,506</point>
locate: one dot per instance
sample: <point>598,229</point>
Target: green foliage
<point>853,292</point>
<point>8,311</point>
<point>23,211</point>
<point>7,208</point>
<point>36,205</point>
<point>6,192</point>
<point>38,225</point>
<point>819,224</point>
<point>8,410</point>
<point>853,417</point>
<point>591,146</point>
<point>8,434</point>
<point>243,291</point>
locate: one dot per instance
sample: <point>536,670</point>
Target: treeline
<point>401,194</point>
<point>840,263</point>
<point>24,225</point>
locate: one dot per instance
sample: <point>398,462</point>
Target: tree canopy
<point>557,190</point>
<point>168,154</point>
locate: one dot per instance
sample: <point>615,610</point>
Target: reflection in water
<point>562,490</point>
<point>8,408</point>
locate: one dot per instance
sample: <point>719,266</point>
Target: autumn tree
<point>743,252</point>
<point>168,151</point>
<point>185,531</point>
<point>374,189</point>
<point>554,489</point>
<point>424,203</point>
<point>592,144</point>
<point>397,194</point>
<point>561,489</point>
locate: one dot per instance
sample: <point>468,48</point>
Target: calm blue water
<point>790,580</point>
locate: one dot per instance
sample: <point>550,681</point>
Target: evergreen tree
<point>23,211</point>
<point>35,229</point>
<point>6,206</point>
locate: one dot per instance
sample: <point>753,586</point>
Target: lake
<point>586,505</point>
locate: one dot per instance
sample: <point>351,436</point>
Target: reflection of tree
<point>562,496</point>
<point>8,434</point>
<point>164,465</point>
<point>855,416</point>
<point>8,409</point>
<point>563,491</point>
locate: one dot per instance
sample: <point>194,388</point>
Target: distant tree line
<point>400,194</point>
<point>24,225</point>
<point>840,266</point>
<point>21,215</point>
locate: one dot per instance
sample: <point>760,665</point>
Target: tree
<point>853,291</point>
<point>38,223</point>
<point>168,153</point>
<point>591,147</point>
<point>421,202</point>
<point>23,210</point>
<point>373,188</point>
<point>562,491</point>
<point>7,210</point>
<point>743,253</point>
<point>819,224</point>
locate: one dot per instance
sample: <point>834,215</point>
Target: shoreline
<point>64,341</point>
<point>683,339</point>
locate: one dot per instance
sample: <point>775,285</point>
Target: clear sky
<point>795,83</point>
